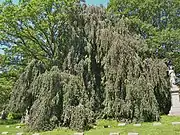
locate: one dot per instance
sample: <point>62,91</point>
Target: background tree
<point>157,22</point>
<point>7,78</point>
<point>37,29</point>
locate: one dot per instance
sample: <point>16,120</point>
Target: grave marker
<point>121,124</point>
<point>137,125</point>
<point>133,133</point>
<point>157,124</point>
<point>114,134</point>
<point>19,134</point>
<point>18,126</point>
<point>4,133</point>
<point>36,134</point>
<point>175,123</point>
<point>78,133</point>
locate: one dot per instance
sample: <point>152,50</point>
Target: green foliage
<point>5,89</point>
<point>7,79</point>
<point>37,29</point>
<point>14,116</point>
<point>102,122</point>
<point>21,98</point>
<point>131,80</point>
<point>157,22</point>
<point>48,100</point>
<point>86,64</point>
<point>78,118</point>
<point>8,122</point>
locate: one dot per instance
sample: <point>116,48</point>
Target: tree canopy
<point>157,22</point>
<point>83,63</point>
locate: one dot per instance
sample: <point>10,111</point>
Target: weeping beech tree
<point>101,72</point>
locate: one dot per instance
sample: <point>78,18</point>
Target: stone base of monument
<point>175,111</point>
<point>175,100</point>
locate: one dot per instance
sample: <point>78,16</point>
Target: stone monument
<point>175,94</point>
<point>3,115</point>
<point>25,119</point>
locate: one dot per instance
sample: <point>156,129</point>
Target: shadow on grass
<point>9,122</point>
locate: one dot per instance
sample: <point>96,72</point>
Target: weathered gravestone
<point>19,134</point>
<point>18,126</point>
<point>157,124</point>
<point>78,133</point>
<point>114,133</point>
<point>137,125</point>
<point>175,123</point>
<point>94,127</point>
<point>36,134</point>
<point>121,124</point>
<point>4,133</point>
<point>133,133</point>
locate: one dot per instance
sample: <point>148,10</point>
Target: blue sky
<point>94,2</point>
<point>97,2</point>
<point>1,51</point>
<point>91,2</point>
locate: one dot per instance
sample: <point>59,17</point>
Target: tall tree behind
<point>8,75</point>
<point>38,29</point>
<point>156,21</point>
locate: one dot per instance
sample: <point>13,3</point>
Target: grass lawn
<point>146,129</point>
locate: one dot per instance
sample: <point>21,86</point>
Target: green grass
<point>146,129</point>
<point>12,130</point>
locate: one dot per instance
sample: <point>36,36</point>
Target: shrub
<point>14,116</point>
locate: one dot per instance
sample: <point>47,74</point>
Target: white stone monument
<point>3,115</point>
<point>26,118</point>
<point>175,94</point>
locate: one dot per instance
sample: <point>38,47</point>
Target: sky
<point>92,2</point>
<point>89,2</point>
<point>1,51</point>
<point>97,2</point>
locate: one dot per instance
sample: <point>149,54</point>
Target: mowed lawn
<point>145,129</point>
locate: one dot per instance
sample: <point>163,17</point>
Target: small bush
<point>14,116</point>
